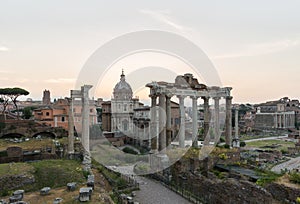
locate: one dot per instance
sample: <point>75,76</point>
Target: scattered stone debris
<point>85,194</point>
<point>45,190</point>
<point>71,186</point>
<point>91,181</point>
<point>57,200</point>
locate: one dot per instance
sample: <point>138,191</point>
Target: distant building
<point>57,114</point>
<point>122,107</point>
<point>106,116</point>
<point>280,114</point>
<point>125,114</point>
<point>46,97</point>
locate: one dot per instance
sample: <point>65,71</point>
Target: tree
<point>13,94</point>
<point>27,112</point>
<point>4,100</point>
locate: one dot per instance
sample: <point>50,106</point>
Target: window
<point>47,113</point>
<point>91,110</point>
<point>125,107</point>
<point>63,119</point>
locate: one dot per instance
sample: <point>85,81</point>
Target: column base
<point>236,143</point>
<point>158,162</point>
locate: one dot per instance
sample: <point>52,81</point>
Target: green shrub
<point>295,177</point>
<point>242,144</point>
<point>129,150</point>
<point>226,146</point>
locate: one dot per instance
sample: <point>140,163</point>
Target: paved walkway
<point>151,191</point>
<point>294,163</point>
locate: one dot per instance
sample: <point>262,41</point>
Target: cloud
<point>7,72</point>
<point>258,49</point>
<point>164,17</point>
<point>3,49</point>
<point>60,80</point>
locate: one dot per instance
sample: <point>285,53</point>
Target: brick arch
<point>45,134</point>
<point>13,135</point>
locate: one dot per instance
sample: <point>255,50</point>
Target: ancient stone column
<point>162,123</point>
<point>236,141</point>
<point>217,118</point>
<point>228,121</point>
<point>284,120</point>
<point>279,119</point>
<point>85,117</point>
<point>153,123</point>
<point>195,122</point>
<point>275,121</point>
<point>70,127</point>
<point>168,112</point>
<point>182,122</point>
<point>206,118</point>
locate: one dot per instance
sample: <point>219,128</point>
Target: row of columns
<point>165,130</point>
<point>284,120</point>
<point>84,95</point>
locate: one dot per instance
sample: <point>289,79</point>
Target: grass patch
<point>32,144</point>
<point>56,173</point>
<point>266,177</point>
<point>259,144</point>
<point>15,169</point>
<point>50,173</point>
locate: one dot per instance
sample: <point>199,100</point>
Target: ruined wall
<point>231,191</point>
<point>283,193</point>
<point>12,182</point>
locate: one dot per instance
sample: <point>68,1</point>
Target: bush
<point>223,156</point>
<point>129,150</point>
<point>295,177</point>
<point>226,146</point>
<point>242,144</point>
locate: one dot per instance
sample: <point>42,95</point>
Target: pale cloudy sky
<point>254,45</point>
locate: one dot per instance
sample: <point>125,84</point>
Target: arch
<point>13,135</point>
<point>45,134</point>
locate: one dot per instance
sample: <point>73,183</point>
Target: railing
<point>183,189</point>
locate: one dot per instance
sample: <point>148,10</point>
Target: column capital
<point>216,98</point>
<point>194,97</point>
<point>169,95</point>
<point>205,97</point>
<point>153,95</point>
<point>228,97</point>
<point>180,96</point>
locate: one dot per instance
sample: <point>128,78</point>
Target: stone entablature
<point>187,86</point>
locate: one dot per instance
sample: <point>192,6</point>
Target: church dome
<point>122,89</point>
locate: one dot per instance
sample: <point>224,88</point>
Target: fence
<point>186,190</point>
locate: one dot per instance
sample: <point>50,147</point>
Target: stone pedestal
<point>159,161</point>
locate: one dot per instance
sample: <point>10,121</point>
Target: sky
<point>253,45</point>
